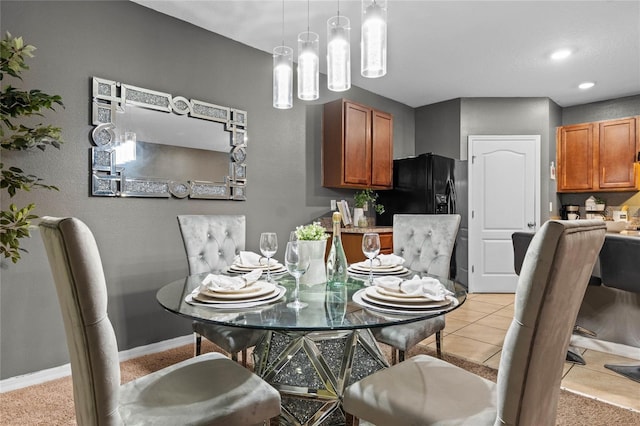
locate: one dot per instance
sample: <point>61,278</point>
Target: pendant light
<point>373,40</point>
<point>338,53</point>
<point>282,73</point>
<point>308,64</point>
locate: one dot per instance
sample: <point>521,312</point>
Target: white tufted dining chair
<point>206,390</point>
<point>212,242</point>
<point>426,243</point>
<point>425,390</point>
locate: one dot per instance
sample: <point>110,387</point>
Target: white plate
<point>239,304</point>
<point>364,266</point>
<point>274,264</point>
<point>374,296</point>
<point>354,271</point>
<point>244,290</point>
<point>357,298</point>
<point>263,288</point>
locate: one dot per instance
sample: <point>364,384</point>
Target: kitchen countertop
<point>358,230</point>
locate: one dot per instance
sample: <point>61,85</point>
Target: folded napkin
<point>215,282</point>
<point>427,287</point>
<point>388,260</point>
<point>249,258</point>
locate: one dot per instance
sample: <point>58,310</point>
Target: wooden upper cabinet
<point>357,146</point>
<point>382,152</point>
<point>575,157</point>
<point>599,156</point>
<point>617,154</point>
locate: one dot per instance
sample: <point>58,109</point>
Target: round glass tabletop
<point>328,308</point>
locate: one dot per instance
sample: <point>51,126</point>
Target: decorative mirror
<point>153,144</point>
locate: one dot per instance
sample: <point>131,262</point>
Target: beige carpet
<point>51,403</point>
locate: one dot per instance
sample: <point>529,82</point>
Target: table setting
<point>247,261</point>
<point>397,295</point>
<point>233,292</point>
<point>381,265</point>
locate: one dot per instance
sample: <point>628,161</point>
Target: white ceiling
<point>440,50</point>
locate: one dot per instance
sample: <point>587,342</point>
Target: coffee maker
<point>569,209</point>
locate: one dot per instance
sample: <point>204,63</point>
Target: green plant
<point>368,197</point>
<point>15,135</point>
<point>311,232</point>
<point>599,200</point>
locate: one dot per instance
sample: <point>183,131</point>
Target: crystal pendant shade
<point>282,77</point>
<point>338,54</point>
<point>308,66</point>
<point>373,41</point>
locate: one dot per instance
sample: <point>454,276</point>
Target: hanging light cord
<point>283,22</point>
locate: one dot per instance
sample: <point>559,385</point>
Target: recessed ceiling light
<point>561,54</point>
<point>586,85</point>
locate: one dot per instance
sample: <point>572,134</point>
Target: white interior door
<point>504,197</point>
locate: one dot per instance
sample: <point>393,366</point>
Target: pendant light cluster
<point>373,59</point>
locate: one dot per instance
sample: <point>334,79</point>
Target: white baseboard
<point>42,376</point>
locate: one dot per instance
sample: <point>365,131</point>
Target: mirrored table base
<point>311,371</point>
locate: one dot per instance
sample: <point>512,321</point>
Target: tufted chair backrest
<point>212,241</point>
<point>425,241</point>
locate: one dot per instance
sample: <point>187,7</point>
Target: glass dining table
<point>312,354</point>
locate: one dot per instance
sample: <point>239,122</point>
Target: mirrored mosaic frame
<point>107,180</point>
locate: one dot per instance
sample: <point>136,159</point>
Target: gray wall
<point>438,128</point>
<point>604,110</point>
<point>139,239</point>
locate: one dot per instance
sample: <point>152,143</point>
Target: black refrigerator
<point>423,184</point>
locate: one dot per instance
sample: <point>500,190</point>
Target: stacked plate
<point>275,267</point>
<point>393,302</point>
<point>258,293</point>
<point>363,268</point>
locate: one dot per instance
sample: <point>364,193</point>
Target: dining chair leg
<point>244,357</point>
<point>439,344</point>
<point>197,347</point>
<point>400,356</point>
<point>393,356</point>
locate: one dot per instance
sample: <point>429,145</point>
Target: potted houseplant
<point>19,107</point>
<point>362,200</point>
<point>312,242</point>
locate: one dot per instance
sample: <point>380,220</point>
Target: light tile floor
<point>476,330</point>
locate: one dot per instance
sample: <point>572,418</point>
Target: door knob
<point>531,225</point>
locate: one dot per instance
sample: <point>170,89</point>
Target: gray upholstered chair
<point>212,243</point>
<point>210,389</point>
<point>619,269</point>
<point>426,243</point>
<point>426,390</point>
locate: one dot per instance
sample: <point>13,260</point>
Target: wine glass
<point>297,264</point>
<point>371,249</point>
<point>268,247</point>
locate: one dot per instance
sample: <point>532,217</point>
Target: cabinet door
<point>357,144</point>
<point>382,150</point>
<point>617,154</point>
<point>575,157</point>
